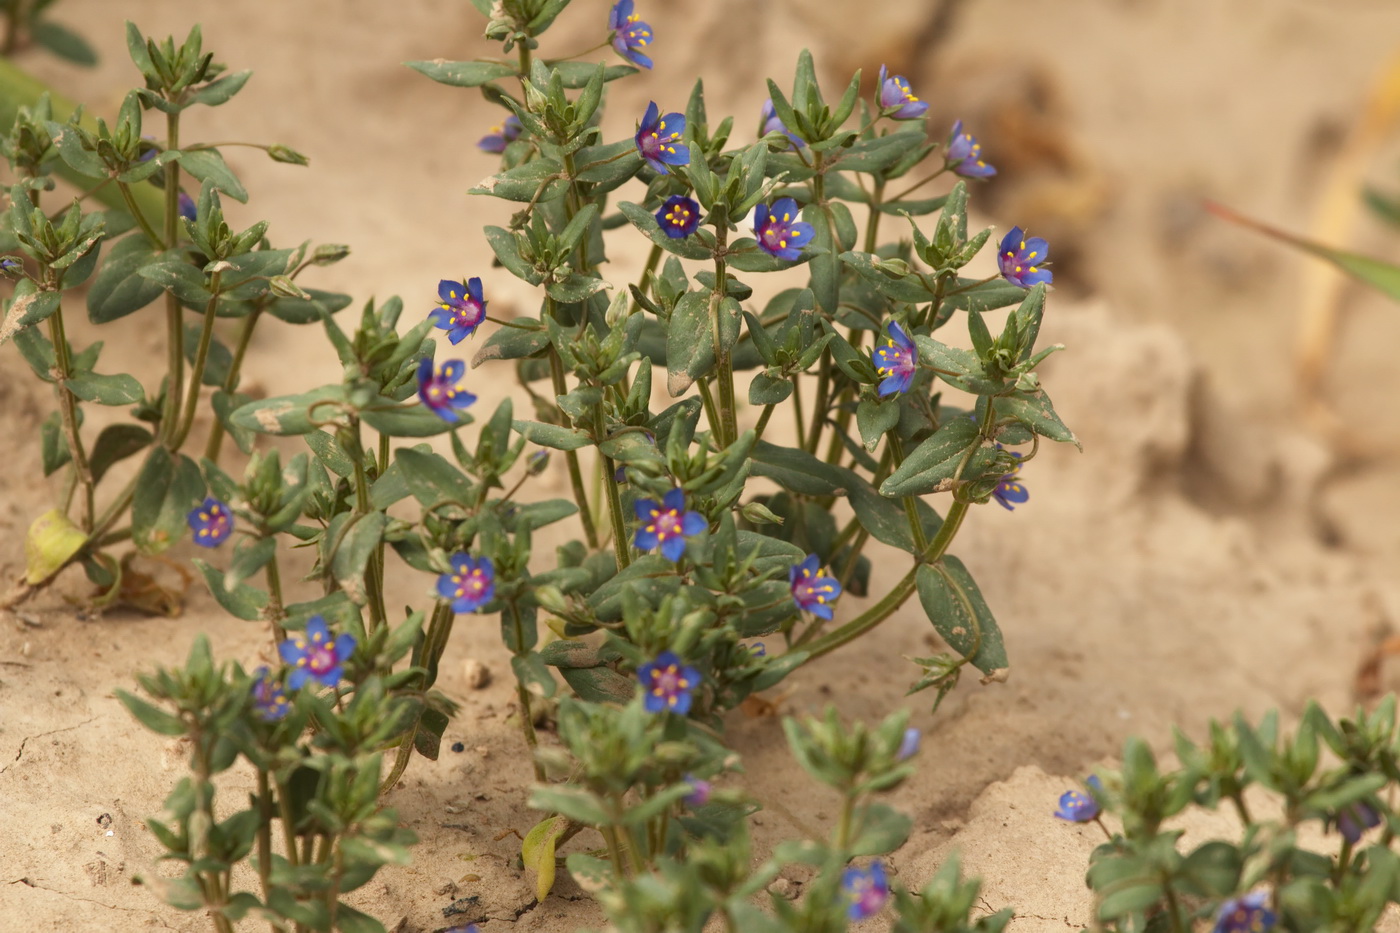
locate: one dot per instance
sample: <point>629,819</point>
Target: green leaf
<point>249,556</point>
<point>118,389</point>
<point>243,602</point>
<point>166,490</point>
<point>119,289</point>
<point>537,853</point>
<point>907,287</point>
<point>932,465</point>
<point>577,74</point>
<point>533,675</point>
<point>552,436</point>
<point>576,803</point>
<point>50,543</point>
<point>882,830</point>
<point>650,577</point>
<point>28,307</point>
<point>523,182</point>
<point>153,718</point>
<point>643,219</point>
<point>955,606</point>
<point>690,339</point>
<point>427,738</point>
<point>116,443</point>
<point>1034,410</point>
<point>886,520</point>
<point>208,165</point>
<point>410,421</point>
<point>290,414</point>
<point>353,551</point>
<point>462,74</point>
<point>599,684</point>
<point>63,42</point>
<point>512,343</point>
<point>328,450</point>
<point>798,471</point>
<point>219,90</point>
<point>432,479</point>
<point>53,447</point>
<point>303,311</point>
<point>874,418</point>
<point>769,390</point>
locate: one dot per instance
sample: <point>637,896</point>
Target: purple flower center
<point>665,524</point>
<point>678,215</point>
<point>775,233</point>
<point>472,582</point>
<point>1020,259</point>
<point>669,682</point>
<point>321,658</point>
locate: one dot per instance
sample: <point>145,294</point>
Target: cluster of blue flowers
<point>311,657</point>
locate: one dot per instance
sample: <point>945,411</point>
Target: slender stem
<point>619,525</point>
<point>590,533</point>
<point>797,412</point>
<point>614,851</point>
<point>245,336</point>
<point>707,399</point>
<point>373,584</point>
<point>265,836</point>
<point>762,421</point>
<point>814,433</point>
<point>274,611</point>
<point>872,223</point>
<point>140,218</point>
<point>917,185</point>
<point>843,828</point>
<point>174,321</point>
<point>648,272</point>
<point>724,362</point>
<point>284,812</point>
<point>1173,909</point>
<point>201,357</point>
<point>911,503</point>
<point>527,718</point>
<point>68,412</point>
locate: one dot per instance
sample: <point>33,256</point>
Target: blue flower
<point>1021,259</point>
<point>866,890</point>
<point>678,217</point>
<point>269,699</point>
<point>314,656</point>
<point>667,524</point>
<point>211,522</point>
<point>772,123</point>
<point>470,584</point>
<point>629,33</point>
<point>897,361</point>
<point>438,391</point>
<point>812,592</point>
<point>965,155</point>
<point>895,92</point>
<point>1247,914</point>
<point>668,683</point>
<point>699,792</point>
<point>1355,818</point>
<point>778,232</point>
<point>1079,807</point>
<point>1009,488</point>
<point>460,309</point>
<point>9,265</point>
<point>188,209</point>
<point>909,746</point>
<point>501,135</point>
<point>659,139</point>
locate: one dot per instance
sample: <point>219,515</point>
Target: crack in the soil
<point>31,883</point>
<point>25,741</point>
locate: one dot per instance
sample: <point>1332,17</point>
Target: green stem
<point>619,524</point>
<point>527,718</point>
<point>797,412</point>
<point>140,218</point>
<point>201,357</point>
<point>68,412</point>
<point>374,585</point>
<point>590,533</point>
<point>274,611</point>
<point>614,851</point>
<point>724,362</point>
<point>843,828</point>
<point>762,422</point>
<point>245,336</point>
<point>872,223</point>
<point>911,503</point>
<point>265,838</point>
<point>1173,909</point>
<point>174,321</point>
<point>814,433</point>
<point>648,271</point>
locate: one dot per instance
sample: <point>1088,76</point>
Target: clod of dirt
<point>476,674</point>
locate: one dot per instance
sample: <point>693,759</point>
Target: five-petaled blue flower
<point>470,583</point>
<point>897,361</point>
<point>1355,818</point>
<point>1021,259</point>
<point>313,655</point>
<point>1079,807</point>
<point>965,155</point>
<point>438,391</point>
<point>460,309</point>
<point>501,135</point>
<point>896,92</point>
<point>779,232</point>
<point>668,683</point>
<point>659,139</point>
<point>678,217</point>
<point>1247,914</point>
<point>1009,489</point>
<point>269,699</point>
<point>188,209</point>
<point>810,590</point>
<point>909,745</point>
<point>772,123</point>
<point>211,522</point>
<point>865,889</point>
<point>667,524</point>
<point>629,33</point>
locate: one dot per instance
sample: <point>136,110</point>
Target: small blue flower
<point>909,747</point>
<point>668,683</point>
<point>460,309</point>
<point>1009,488</point>
<point>1247,914</point>
<point>1355,818</point>
<point>866,890</point>
<point>501,135</point>
<point>812,592</point>
<point>1079,807</point>
<point>470,584</point>
<point>9,265</point>
<point>895,92</point>
<point>965,155</point>
<point>897,361</point>
<point>659,139</point>
<point>211,522</point>
<point>758,649</point>
<point>629,34</point>
<point>188,209</point>
<point>772,123</point>
<point>1021,259</point>
<point>678,217</point>
<point>667,524</point>
<point>779,232</point>
<point>438,391</point>
<point>314,656</point>
<point>699,792</point>
<point>269,699</point>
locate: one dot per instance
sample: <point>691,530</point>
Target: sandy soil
<point>1204,554</point>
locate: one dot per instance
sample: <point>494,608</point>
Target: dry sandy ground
<point>1204,554</point>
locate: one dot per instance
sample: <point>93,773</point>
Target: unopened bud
<point>760,514</point>
<point>893,266</point>
<point>287,154</point>
<point>329,253</point>
<point>11,268</point>
<point>552,599</point>
<point>537,462</point>
<point>284,287</point>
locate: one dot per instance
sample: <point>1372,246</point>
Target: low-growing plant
<point>702,524</point>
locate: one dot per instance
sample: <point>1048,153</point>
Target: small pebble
<point>476,673</point>
<point>458,747</point>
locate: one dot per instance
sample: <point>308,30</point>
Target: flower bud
<point>760,514</point>
<point>552,599</point>
<point>287,154</point>
<point>283,287</point>
<point>537,463</point>
<point>329,253</point>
